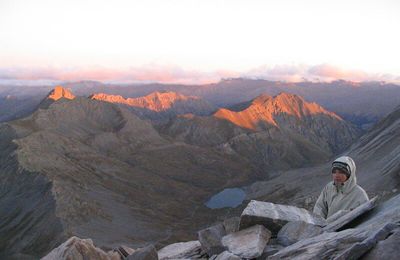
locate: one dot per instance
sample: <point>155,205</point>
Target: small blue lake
<point>227,198</point>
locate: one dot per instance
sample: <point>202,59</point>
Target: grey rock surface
<point>347,218</point>
<point>337,215</point>
<point>388,249</point>
<point>330,245</point>
<point>296,231</point>
<point>180,250</point>
<point>226,255</point>
<point>145,253</point>
<point>210,239</point>
<point>360,248</point>
<point>270,249</point>
<point>324,246</point>
<point>275,216</point>
<point>247,243</point>
<point>231,224</point>
<point>76,248</point>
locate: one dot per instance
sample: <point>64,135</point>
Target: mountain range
<point>362,103</point>
<point>106,167</point>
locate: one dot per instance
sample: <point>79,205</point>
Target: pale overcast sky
<point>212,36</point>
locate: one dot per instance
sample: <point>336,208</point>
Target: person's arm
<point>321,207</point>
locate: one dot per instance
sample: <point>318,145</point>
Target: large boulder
<point>145,253</point>
<point>191,249</point>
<point>297,230</point>
<point>275,216</point>
<point>210,239</point>
<point>247,243</point>
<point>76,248</point>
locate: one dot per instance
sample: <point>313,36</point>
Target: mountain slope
<point>377,158</point>
<point>278,132</point>
<point>97,170</point>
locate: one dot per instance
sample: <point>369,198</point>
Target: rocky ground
<point>272,231</point>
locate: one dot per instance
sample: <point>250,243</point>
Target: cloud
<point>174,74</point>
<point>321,72</point>
<point>148,73</point>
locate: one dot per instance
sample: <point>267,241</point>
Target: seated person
<point>342,193</point>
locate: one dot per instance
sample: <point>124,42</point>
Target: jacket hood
<point>352,181</point>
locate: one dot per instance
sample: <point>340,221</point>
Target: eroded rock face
<point>210,239</point>
<point>180,250</point>
<point>247,243</point>
<point>275,216</point>
<point>76,248</point>
<point>296,231</point>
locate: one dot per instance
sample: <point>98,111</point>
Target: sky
<point>188,41</point>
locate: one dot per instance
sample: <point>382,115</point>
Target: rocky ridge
<point>160,105</point>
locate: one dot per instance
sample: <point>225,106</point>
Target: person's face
<point>338,176</point>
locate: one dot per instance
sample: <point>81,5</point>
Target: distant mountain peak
<point>265,108</point>
<point>57,93</point>
<point>60,92</point>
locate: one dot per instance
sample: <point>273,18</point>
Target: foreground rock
<point>76,248</point>
<point>386,249</point>
<point>324,246</point>
<point>275,216</point>
<point>231,225</point>
<point>350,242</point>
<point>145,253</point>
<point>360,248</point>
<point>210,239</point>
<point>227,256</point>
<point>191,249</point>
<point>350,216</point>
<point>247,243</point>
<point>296,231</point>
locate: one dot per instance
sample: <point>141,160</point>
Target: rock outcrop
<point>247,243</point>
<point>183,250</point>
<point>76,248</point>
<point>210,239</point>
<point>295,231</point>
<point>275,216</point>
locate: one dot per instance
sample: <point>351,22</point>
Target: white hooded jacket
<point>346,196</point>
